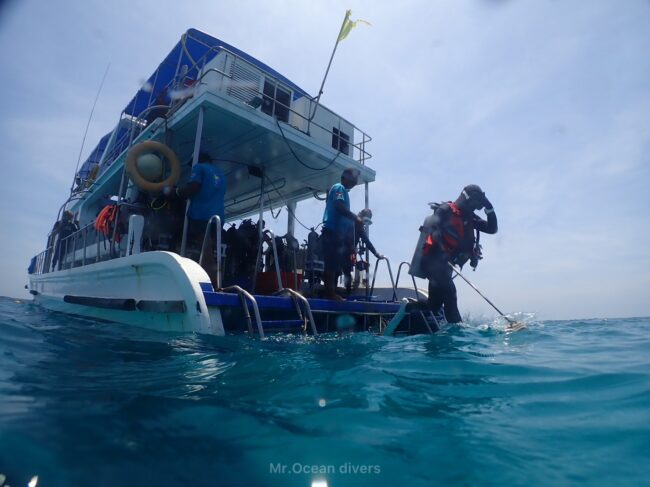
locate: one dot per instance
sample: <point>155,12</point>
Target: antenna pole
<point>101,85</point>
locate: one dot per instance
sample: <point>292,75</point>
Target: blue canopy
<point>120,143</point>
<point>197,44</point>
<point>94,157</point>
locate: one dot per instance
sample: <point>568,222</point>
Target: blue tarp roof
<point>97,153</point>
<point>198,44</point>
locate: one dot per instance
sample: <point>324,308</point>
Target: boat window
<point>276,101</point>
<point>341,141</point>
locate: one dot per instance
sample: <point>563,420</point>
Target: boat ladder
<point>430,316</point>
<point>245,298</point>
<point>297,300</point>
<point>304,314</point>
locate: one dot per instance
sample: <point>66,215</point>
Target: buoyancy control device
<point>417,268</point>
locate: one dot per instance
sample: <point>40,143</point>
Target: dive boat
<point>125,257</point>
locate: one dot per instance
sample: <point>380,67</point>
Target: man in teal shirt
<point>338,221</point>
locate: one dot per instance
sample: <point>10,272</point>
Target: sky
<point>545,104</point>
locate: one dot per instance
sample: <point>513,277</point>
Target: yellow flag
<point>348,25</point>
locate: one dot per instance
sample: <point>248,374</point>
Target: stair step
<point>282,324</point>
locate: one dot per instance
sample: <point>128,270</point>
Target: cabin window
<point>277,100</point>
<point>341,141</point>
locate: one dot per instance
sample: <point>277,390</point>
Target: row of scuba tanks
<point>242,244</point>
<point>164,217</point>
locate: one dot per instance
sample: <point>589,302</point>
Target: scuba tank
<point>247,239</point>
<point>313,246</point>
<point>417,267</point>
<point>233,253</point>
<point>313,266</point>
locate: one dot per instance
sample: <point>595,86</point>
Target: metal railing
<point>206,238</point>
<point>360,146</point>
<point>415,286</point>
<point>63,254</point>
<point>390,272</point>
<point>42,262</point>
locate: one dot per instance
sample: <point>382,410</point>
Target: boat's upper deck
<point>256,123</point>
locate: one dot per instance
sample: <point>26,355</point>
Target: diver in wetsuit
<point>451,239</point>
<point>60,231</point>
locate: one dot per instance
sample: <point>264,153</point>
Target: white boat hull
<point>156,290</point>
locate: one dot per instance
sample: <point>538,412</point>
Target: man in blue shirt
<point>338,222</point>
<point>206,190</point>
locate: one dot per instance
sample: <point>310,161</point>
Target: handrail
<point>213,70</point>
<point>70,256</point>
<point>63,251</point>
<point>426,323</point>
<point>296,295</point>
<point>415,286</point>
<point>43,260</point>
<point>217,220</point>
<point>390,272</point>
<point>241,292</point>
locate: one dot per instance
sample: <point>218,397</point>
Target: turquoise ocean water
<point>84,403</point>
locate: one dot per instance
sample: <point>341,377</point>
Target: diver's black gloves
<point>488,206</point>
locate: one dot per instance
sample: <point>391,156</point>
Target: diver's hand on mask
<point>488,206</point>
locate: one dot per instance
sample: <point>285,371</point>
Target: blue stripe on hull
<point>317,305</point>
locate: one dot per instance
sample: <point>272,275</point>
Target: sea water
<point>86,403</point>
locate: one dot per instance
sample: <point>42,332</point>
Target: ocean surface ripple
<point>86,403</point>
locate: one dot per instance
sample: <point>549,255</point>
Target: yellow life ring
<point>144,148</point>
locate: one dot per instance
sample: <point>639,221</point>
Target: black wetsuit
<point>360,235</point>
<point>442,290</point>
